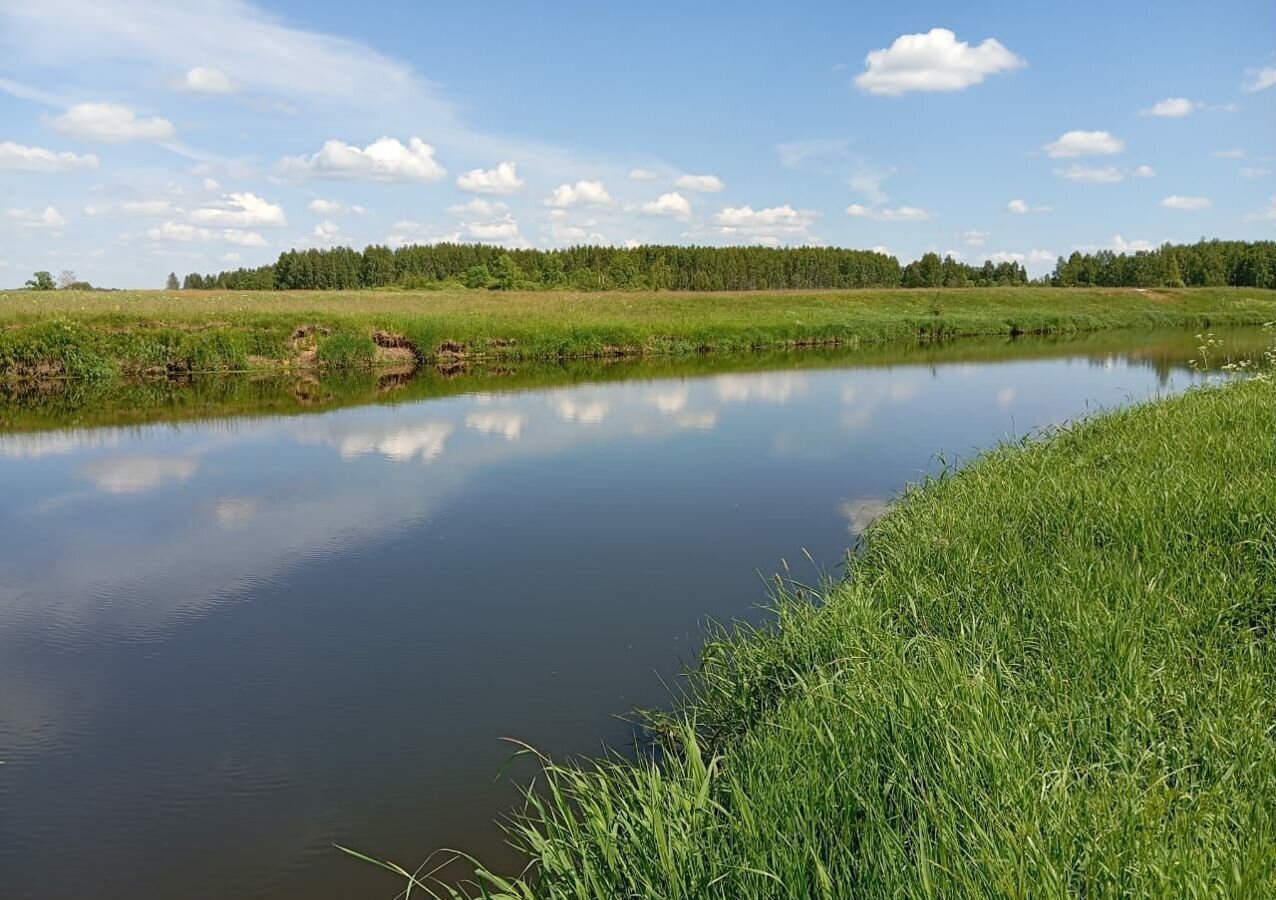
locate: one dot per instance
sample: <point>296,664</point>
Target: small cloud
<point>27,218</point>
<point>672,204</point>
<point>972,238</point>
<point>240,211</point>
<point>1267,214</point>
<point>1090,175</point>
<point>326,230</point>
<point>643,175</point>
<point>1084,143</point>
<point>1172,108</point>
<point>184,233</point>
<point>766,226</point>
<point>1144,172</point>
<point>1234,153</point>
<point>705,184</point>
<point>479,208</point>
<point>1176,201</point>
<point>206,80</point>
<point>1254,172</point>
<point>1021,207</point>
<point>933,61</point>
<point>386,159</point>
<point>1260,79</point>
<point>20,158</point>
<point>582,193</point>
<point>325,207</point>
<point>501,180</point>
<point>888,214</point>
<point>111,122</point>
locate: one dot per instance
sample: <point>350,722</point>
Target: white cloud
<point>1177,201</point>
<point>134,474</point>
<point>1254,172</point>
<point>973,238</point>
<point>671,204</point>
<point>888,214</point>
<point>934,61</point>
<point>587,412</point>
<point>1090,175</point>
<point>767,225</point>
<point>326,230</point>
<point>1172,108</point>
<point>501,180</point>
<point>111,122</point>
<point>180,231</point>
<point>493,231</point>
<point>1268,214</point>
<point>27,218</point>
<point>506,423</point>
<point>325,207</point>
<point>20,158</point>
<point>1262,79</point>
<point>241,211</point>
<point>142,208</point>
<point>1233,153</point>
<point>386,159</point>
<point>1021,207</point>
<point>582,193</point>
<point>206,80</point>
<point>478,207</point>
<point>400,444</point>
<point>1032,256</point>
<point>1144,172</point>
<point>705,184</point>
<point>1084,143</point>
<point>643,175</point>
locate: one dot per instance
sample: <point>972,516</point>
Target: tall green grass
<point>70,334</point>
<point>1050,674</point>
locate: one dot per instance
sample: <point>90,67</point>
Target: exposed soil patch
<point>302,332</point>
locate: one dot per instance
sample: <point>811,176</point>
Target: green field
<point>1050,674</point>
<point>60,334</point>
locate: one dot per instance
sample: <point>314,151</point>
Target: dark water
<point>226,644</point>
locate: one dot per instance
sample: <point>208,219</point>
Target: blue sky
<point>141,137</point>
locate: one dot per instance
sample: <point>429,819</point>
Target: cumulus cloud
<point>186,233</point>
<point>1084,143</point>
<point>386,159</point>
<point>111,122</point>
<point>643,175</point>
<point>1090,175</point>
<point>705,184</point>
<point>1032,256</point>
<point>1178,201</point>
<point>240,211</point>
<point>1021,207</point>
<point>772,226</point>
<point>206,80</point>
<point>1172,108</point>
<point>672,204</point>
<point>934,61</point>
<point>582,193</point>
<point>1144,172</point>
<point>501,180</point>
<point>889,214</point>
<point>28,218</point>
<point>325,207</point>
<point>326,230</point>
<point>20,158</point>
<point>1260,79</point>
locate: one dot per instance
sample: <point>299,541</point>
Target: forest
<point>1210,263</point>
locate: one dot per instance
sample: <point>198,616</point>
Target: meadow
<point>91,334</point>
<point>1049,674</point>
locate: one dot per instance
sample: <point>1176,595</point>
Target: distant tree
<point>172,284</point>
<point>66,278</point>
<point>41,281</point>
<point>477,277</point>
<point>505,273</point>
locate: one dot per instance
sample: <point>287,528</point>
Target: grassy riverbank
<point>1050,674</point>
<point>50,335</point>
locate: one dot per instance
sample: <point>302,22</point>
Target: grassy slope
<point>102,334</point>
<point>1052,674</point>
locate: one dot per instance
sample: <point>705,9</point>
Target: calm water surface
<point>227,644</point>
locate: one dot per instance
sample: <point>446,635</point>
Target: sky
<point>138,138</point>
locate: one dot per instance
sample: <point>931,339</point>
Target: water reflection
<point>226,644</point>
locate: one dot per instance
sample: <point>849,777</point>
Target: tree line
<point>696,268</point>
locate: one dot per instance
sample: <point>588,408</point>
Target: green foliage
<point>1203,264</point>
<point>171,283</point>
<point>1050,675</point>
<point>344,350</point>
<point>41,281</point>
<point>477,277</point>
